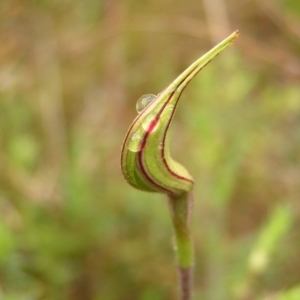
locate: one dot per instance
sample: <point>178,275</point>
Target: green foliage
<point>291,294</point>
<point>269,237</point>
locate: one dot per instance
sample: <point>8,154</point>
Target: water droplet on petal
<point>151,123</point>
<point>160,145</point>
<point>143,102</point>
<point>134,142</point>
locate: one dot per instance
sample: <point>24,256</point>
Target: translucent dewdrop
<point>161,145</point>
<point>134,142</point>
<point>151,123</point>
<point>143,102</point>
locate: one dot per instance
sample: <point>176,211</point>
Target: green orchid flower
<point>147,164</point>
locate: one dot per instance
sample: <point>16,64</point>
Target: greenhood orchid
<point>147,164</point>
<point>146,161</point>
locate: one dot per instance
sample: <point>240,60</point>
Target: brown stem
<point>186,281</point>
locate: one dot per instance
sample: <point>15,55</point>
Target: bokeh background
<point>70,75</point>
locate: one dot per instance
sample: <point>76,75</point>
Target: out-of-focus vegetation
<point>70,73</point>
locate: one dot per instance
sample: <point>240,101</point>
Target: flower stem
<point>181,208</point>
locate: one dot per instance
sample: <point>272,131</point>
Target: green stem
<point>181,208</point>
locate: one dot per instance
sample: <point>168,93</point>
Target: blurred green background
<point>70,74</point>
